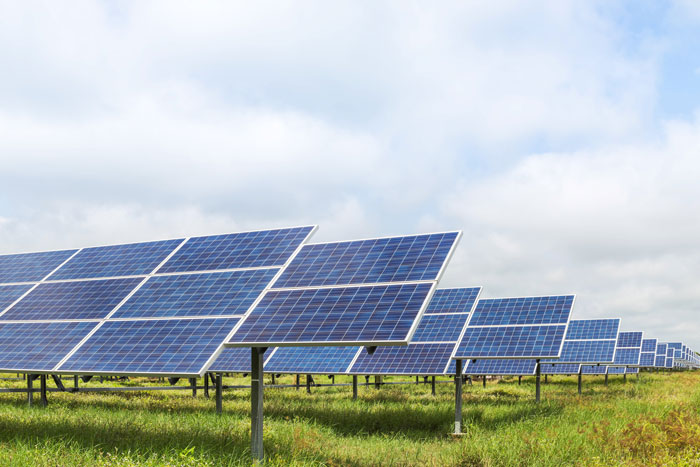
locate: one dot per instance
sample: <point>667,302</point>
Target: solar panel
<point>440,328</point>
<point>560,369</point>
<point>631,370</point>
<point>233,360</point>
<point>264,248</point>
<point>649,345</point>
<point>171,347</point>
<point>647,359</point>
<point>116,260</point>
<point>207,294</point>
<point>527,327</point>
<point>311,360</point>
<point>617,370</point>
<point>396,259</point>
<point>414,359</point>
<point>628,349</point>
<point>38,346</point>
<point>589,341</point>
<point>453,300</point>
<point>660,361</point>
<point>594,369</point>
<point>358,314</point>
<point>93,299</point>
<point>512,367</point>
<point>511,342</point>
<point>31,267</point>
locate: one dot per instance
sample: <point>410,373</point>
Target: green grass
<point>651,421</point>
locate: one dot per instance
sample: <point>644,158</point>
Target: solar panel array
<point>647,357</point>
<point>527,327</point>
<point>162,307</point>
<point>364,292</point>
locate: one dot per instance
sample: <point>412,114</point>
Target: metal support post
<point>537,381</point>
<point>206,385</point>
<point>432,385</point>
<point>624,377</point>
<point>297,381</point>
<point>483,380</point>
<point>377,381</point>
<point>579,382</point>
<point>256,403</point>
<point>193,383</point>
<point>30,391</point>
<point>416,379</point>
<point>273,378</point>
<point>75,383</point>
<point>458,397</point>
<point>354,387</point>
<point>44,400</point>
<point>545,379</point>
<point>520,379</point>
<point>308,384</point>
<point>219,405</point>
<point>606,379</point>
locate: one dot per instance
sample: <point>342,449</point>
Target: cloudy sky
<point>562,137</point>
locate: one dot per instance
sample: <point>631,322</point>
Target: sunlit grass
<point>654,420</point>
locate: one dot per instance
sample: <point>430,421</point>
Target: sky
<point>562,137</point>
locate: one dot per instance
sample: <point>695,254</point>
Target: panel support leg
<point>416,379</point>
<point>606,379</point>
<point>483,380</point>
<point>432,385</point>
<point>30,390</point>
<point>354,387</point>
<point>273,378</point>
<point>579,382</point>
<point>545,379</point>
<point>308,384</point>
<point>219,405</point>
<point>256,403</point>
<point>44,400</point>
<point>624,377</point>
<point>520,379</point>
<point>206,385</point>
<point>193,383</point>
<point>297,381</point>
<point>75,383</point>
<point>537,381</point>
<point>377,381</point>
<point>458,397</point>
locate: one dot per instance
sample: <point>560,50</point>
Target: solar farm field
<point>653,420</point>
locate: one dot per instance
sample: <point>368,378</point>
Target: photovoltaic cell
<point>661,349</point>
<point>10,293</point>
<point>396,259</point>
<point>72,300</point>
<point>339,315</point>
<point>116,260</point>
<point>440,328</point>
<point>515,367</point>
<point>457,300</point>
<point>647,359</point>
<point>262,248</point>
<point>150,346</point>
<point>631,370</point>
<point>31,267</point>
<point>209,294</point>
<point>234,360</point>
<point>511,342</point>
<point>560,369</point>
<point>38,346</point>
<point>414,359</point>
<point>660,361</point>
<point>526,310</point>
<point>593,329</point>
<point>326,360</point>
<point>587,351</point>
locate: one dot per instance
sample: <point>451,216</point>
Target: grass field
<point>651,421</point>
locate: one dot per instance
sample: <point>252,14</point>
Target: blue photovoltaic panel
<point>10,293</point>
<point>172,347</point>
<point>526,310</point>
<point>413,359</point>
<point>459,300</point>
<point>649,345</point>
<point>660,361</point>
<point>72,300</point>
<point>262,248</point>
<point>440,328</point>
<point>327,360</point>
<point>208,294</point>
<point>560,369</point>
<point>39,346</point>
<point>396,259</point>
<point>587,351</point>
<point>629,339</point>
<point>334,315</point>
<point>616,370</point>
<point>234,360</point>
<point>31,267</point>
<point>627,356</point>
<point>661,349</point>
<point>116,260</point>
<point>669,363</point>
<point>511,342</point>
<point>632,370</point>
<point>594,369</point>
<point>593,329</point>
<point>647,359</point>
<point>501,367</point>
